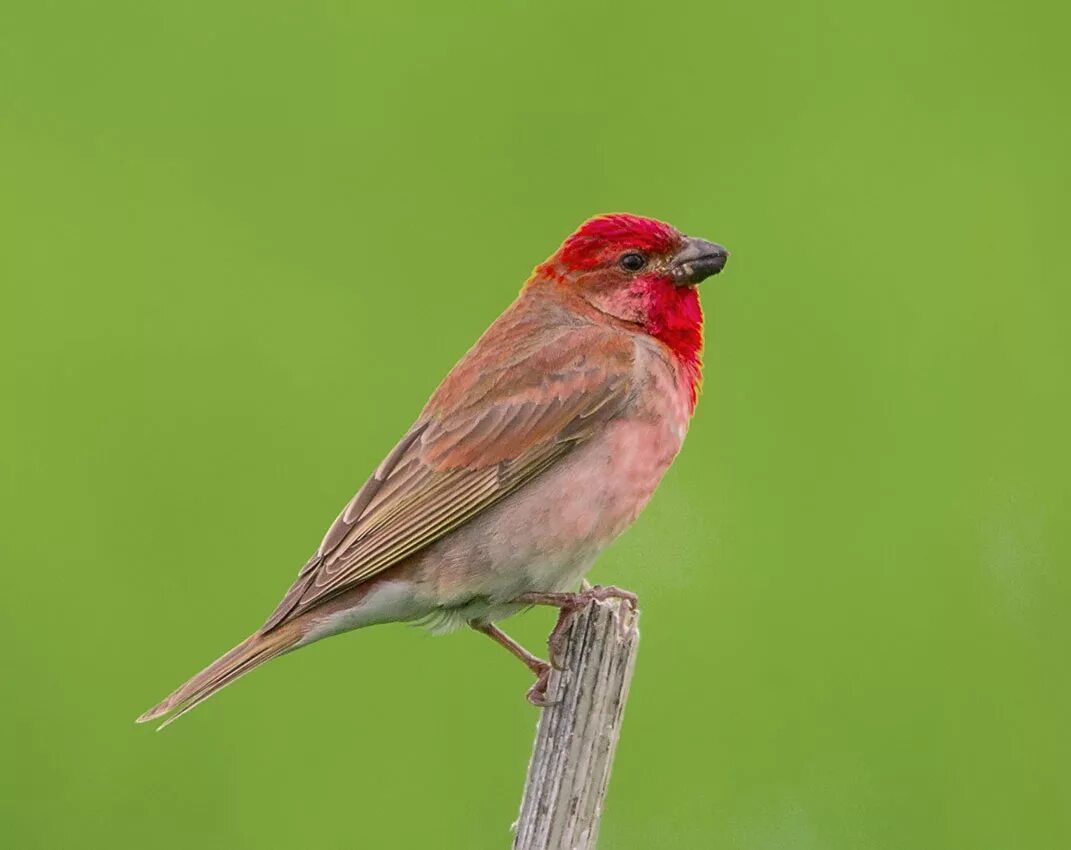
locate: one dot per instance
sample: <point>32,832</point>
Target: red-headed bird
<point>540,447</point>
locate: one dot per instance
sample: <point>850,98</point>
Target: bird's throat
<point>674,317</point>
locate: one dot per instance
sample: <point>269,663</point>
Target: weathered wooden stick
<point>577,735</point>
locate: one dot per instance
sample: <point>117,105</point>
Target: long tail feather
<point>250,653</point>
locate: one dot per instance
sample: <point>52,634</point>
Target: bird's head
<point>642,271</point>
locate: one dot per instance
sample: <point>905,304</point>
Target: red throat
<point>675,318</point>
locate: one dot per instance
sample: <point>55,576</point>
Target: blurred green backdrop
<point>242,241</point>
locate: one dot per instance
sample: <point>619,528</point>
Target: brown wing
<point>516,404</point>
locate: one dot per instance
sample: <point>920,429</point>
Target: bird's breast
<point>545,535</point>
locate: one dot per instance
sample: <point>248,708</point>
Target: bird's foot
<point>579,599</point>
<point>537,694</point>
<point>569,604</point>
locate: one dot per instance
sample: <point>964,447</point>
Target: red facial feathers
<point>668,312</point>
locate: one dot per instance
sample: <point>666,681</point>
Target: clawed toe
<point>569,604</point>
<point>537,694</point>
<point>588,594</point>
<point>601,594</point>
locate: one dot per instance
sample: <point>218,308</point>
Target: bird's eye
<point>633,262</point>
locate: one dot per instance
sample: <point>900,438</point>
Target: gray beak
<point>697,261</point>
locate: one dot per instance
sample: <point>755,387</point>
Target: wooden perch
<point>577,735</point>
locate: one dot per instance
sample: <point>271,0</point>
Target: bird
<point>539,448</point>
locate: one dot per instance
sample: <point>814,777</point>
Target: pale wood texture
<point>577,735</point>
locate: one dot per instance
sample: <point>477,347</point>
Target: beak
<point>697,261</point>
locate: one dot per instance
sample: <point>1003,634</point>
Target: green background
<point>243,241</point>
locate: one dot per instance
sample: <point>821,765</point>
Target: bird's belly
<point>546,535</point>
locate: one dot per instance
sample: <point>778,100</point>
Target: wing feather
<point>503,416</point>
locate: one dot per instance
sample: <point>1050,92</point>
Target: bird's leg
<point>568,604</point>
<point>537,694</point>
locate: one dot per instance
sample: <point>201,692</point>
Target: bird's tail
<point>250,653</point>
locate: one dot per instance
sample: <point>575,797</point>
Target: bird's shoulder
<point>541,363</point>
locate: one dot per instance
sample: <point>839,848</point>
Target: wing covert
<point>503,416</point>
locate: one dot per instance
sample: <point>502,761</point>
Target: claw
<point>537,694</point>
<point>588,594</point>
<point>569,604</point>
<point>601,594</point>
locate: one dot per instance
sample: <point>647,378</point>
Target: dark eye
<point>633,262</point>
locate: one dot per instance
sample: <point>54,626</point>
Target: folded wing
<point>522,399</point>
